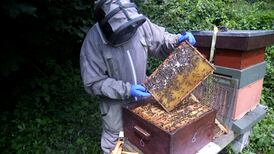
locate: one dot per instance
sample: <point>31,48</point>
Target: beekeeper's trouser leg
<point>108,141</point>
<point>112,124</point>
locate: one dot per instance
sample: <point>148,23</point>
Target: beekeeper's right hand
<point>139,91</point>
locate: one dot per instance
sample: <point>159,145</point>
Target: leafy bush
<point>178,15</point>
<point>53,115</point>
<point>41,30</point>
<point>44,107</point>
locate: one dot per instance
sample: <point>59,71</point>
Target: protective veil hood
<point>118,20</point>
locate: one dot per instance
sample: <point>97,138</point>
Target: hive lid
<point>241,40</point>
<point>178,76</point>
<point>235,33</point>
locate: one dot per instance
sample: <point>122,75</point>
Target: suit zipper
<point>133,69</point>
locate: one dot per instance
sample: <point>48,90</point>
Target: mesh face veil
<point>118,20</point>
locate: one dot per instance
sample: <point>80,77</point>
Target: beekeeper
<point>114,58</point>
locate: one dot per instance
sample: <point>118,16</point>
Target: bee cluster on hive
<point>178,76</point>
<point>181,63</point>
<point>185,113</point>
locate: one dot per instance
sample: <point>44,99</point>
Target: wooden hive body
<point>152,138</point>
<point>235,59</point>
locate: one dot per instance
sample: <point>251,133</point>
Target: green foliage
<point>268,95</point>
<point>178,15</point>
<point>261,139</point>
<point>53,114</point>
<point>40,30</point>
<point>152,64</point>
<point>45,108</point>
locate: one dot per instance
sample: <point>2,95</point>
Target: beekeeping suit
<point>113,59</point>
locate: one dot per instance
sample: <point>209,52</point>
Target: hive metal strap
<point>213,43</point>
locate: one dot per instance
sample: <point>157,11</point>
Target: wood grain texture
<point>235,59</point>
<point>186,139</point>
<point>236,43</point>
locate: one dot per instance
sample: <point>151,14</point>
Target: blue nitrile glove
<point>187,36</point>
<point>139,91</point>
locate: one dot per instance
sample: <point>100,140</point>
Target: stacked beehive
<point>239,55</point>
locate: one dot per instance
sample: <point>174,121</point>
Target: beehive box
<point>247,99</point>
<point>178,76</point>
<point>183,131</point>
<point>237,49</point>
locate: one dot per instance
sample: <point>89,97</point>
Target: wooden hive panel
<point>185,130</point>
<point>241,60</point>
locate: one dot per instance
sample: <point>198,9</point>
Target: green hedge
<point>178,15</point>
<point>46,109</point>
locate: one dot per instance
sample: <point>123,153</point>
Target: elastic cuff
<point>128,88</point>
<point>177,43</point>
